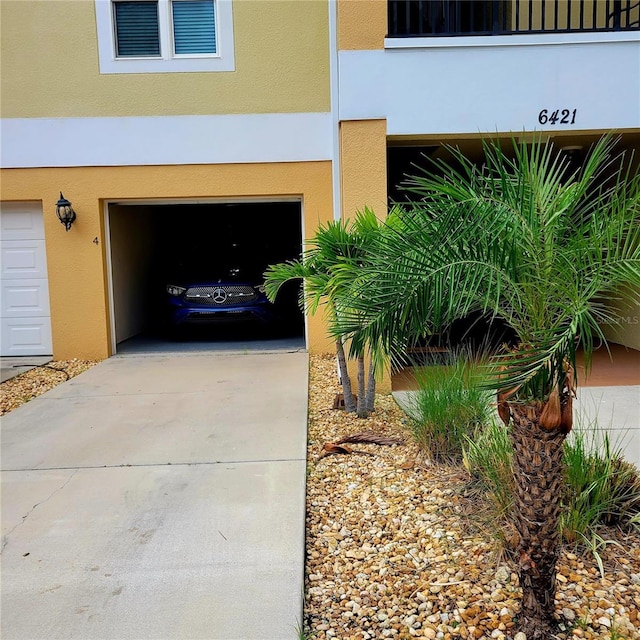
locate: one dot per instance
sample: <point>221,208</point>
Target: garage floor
<point>147,344</point>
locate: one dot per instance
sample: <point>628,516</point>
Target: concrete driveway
<point>158,497</point>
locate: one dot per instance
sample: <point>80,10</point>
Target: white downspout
<point>335,107</point>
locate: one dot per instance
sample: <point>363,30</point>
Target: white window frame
<point>168,61</point>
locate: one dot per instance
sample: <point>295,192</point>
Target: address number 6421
<point>558,116</point>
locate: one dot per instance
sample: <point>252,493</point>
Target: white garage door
<point>24,296</point>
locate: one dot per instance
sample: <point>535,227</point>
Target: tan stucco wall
<point>50,65</point>
<point>78,267</point>
<point>362,24</point>
<point>363,158</point>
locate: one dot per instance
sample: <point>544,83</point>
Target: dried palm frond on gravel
<point>398,548</point>
<point>30,384</point>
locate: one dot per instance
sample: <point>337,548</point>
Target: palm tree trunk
<point>349,400</point>
<point>538,471</point>
<point>362,393</point>
<point>371,388</point>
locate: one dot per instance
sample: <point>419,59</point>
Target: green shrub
<point>602,488</point>
<point>448,407</point>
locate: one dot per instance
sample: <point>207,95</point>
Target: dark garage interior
<point>156,245</point>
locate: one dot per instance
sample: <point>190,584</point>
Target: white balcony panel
<point>474,90</point>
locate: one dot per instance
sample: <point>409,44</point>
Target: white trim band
<point>164,140</point>
<point>513,40</point>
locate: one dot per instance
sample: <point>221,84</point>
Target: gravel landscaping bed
<point>29,385</point>
<point>397,548</point>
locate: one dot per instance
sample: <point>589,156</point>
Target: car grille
<point>223,295</point>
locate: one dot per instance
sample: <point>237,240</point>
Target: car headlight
<point>172,290</point>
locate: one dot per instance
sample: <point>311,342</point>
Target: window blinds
<point>194,26</point>
<point>137,29</point>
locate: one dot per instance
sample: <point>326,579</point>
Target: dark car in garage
<point>223,300</point>
<point>212,275</point>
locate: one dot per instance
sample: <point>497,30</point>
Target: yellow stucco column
<point>362,24</point>
<point>363,159</point>
<point>76,272</point>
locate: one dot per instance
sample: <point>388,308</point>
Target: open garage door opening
<point>191,275</point>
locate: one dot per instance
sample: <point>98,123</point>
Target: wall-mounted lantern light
<point>65,212</point>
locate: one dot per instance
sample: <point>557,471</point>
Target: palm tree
<point>543,247</point>
<point>336,244</point>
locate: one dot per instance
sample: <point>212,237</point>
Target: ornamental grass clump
<point>448,407</point>
<point>601,487</point>
<point>488,459</point>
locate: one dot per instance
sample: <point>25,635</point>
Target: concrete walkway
<point>616,411</point>
<point>158,497</point>
<point>10,367</point>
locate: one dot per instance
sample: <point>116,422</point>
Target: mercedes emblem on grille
<point>219,295</point>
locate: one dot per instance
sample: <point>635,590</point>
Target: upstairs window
<point>137,29</point>
<point>194,28</point>
<point>159,36</point>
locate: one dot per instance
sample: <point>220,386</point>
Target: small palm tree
<point>543,247</point>
<point>336,244</point>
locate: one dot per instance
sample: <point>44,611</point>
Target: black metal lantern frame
<point>65,212</point>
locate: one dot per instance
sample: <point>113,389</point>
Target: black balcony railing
<point>415,18</point>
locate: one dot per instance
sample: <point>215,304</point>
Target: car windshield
<point>223,263</point>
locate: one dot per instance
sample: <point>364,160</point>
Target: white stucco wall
<point>499,83</point>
